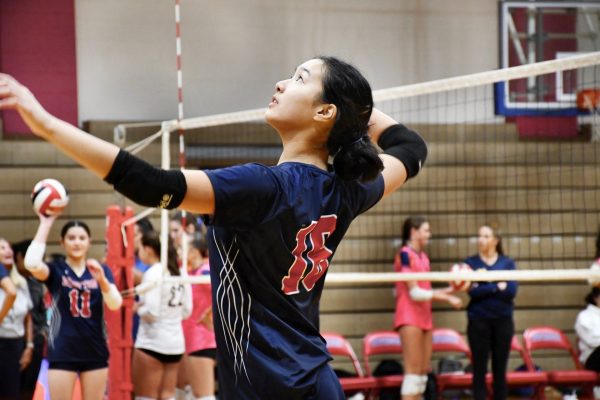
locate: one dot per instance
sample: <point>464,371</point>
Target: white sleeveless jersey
<point>169,304</point>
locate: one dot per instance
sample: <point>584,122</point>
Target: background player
<point>16,331</point>
<point>414,319</point>
<point>490,314</point>
<point>273,230</point>
<point>198,366</point>
<point>39,317</point>
<point>79,286</point>
<point>159,345</point>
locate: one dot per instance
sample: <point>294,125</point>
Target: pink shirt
<point>408,311</point>
<point>197,335</point>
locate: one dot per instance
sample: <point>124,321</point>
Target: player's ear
<point>325,112</point>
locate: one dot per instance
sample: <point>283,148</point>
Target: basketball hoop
<point>589,100</point>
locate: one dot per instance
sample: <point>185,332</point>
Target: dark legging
<point>490,336</point>
<point>29,376</point>
<point>593,361</point>
<point>10,355</point>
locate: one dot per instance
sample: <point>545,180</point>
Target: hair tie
<point>363,137</point>
<point>331,158</point>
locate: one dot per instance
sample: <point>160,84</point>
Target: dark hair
<point>411,223</point>
<point>598,244</point>
<point>72,224</point>
<point>497,234</point>
<point>201,245</point>
<point>152,239</point>
<point>354,156</point>
<point>592,295</point>
<point>144,225</point>
<point>190,219</point>
<point>20,247</point>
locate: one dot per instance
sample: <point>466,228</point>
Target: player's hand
<point>502,286</point>
<point>206,319</point>
<point>455,301</point>
<point>47,219</point>
<point>149,318</point>
<point>447,290</point>
<point>98,273</point>
<point>15,96</point>
<point>26,357</point>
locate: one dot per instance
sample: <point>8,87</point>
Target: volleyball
<point>49,197</point>
<point>460,286</point>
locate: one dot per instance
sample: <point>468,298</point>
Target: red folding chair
<point>377,343</point>
<point>337,345</point>
<point>450,341</point>
<point>548,338</point>
<point>531,377</point>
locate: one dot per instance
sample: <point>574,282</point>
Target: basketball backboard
<point>546,30</point>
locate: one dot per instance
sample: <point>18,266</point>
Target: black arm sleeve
<point>406,145</point>
<point>145,184</point>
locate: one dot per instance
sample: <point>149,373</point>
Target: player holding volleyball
<point>414,319</point>
<point>273,230</point>
<point>79,286</point>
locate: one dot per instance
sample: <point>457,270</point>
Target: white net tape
<point>591,276</point>
<point>441,85</point>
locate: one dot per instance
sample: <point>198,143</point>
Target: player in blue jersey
<point>272,230</point>
<point>79,286</point>
<point>490,312</point>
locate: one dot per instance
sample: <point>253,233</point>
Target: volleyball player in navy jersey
<point>490,312</point>
<point>79,286</point>
<point>272,230</point>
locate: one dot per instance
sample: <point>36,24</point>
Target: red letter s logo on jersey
<point>318,255</point>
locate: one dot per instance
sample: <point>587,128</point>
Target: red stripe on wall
<point>37,47</point>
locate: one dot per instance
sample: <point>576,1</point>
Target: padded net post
<point>120,259</point>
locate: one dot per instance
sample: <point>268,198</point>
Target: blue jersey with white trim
<point>77,331</point>
<point>271,239</point>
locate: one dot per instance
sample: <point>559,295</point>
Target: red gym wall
<point>37,46</point>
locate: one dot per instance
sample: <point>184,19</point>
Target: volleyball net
<point>512,147</point>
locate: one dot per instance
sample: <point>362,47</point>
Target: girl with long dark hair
<point>273,230</point>
<point>79,287</point>
<point>413,318</point>
<point>159,344</point>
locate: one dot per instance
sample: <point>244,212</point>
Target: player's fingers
<point>95,265</point>
<point>6,78</point>
<point>8,102</point>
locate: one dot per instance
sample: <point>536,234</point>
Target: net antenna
<point>181,131</point>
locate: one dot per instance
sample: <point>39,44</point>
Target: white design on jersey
<point>55,321</point>
<point>235,322</point>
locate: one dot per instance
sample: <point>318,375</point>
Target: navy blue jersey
<point>271,238</point>
<point>77,331</point>
<point>3,272</point>
<point>487,300</point>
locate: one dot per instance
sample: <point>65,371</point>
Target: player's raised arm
<point>404,151</point>
<point>93,153</point>
<point>134,178</point>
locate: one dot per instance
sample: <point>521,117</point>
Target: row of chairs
<point>450,341</point>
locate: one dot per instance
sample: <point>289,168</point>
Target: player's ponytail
<point>353,155</point>
<point>151,239</point>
